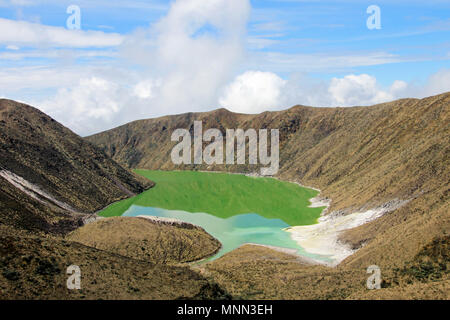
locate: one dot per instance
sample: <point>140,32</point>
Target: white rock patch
<point>318,202</point>
<point>32,190</point>
<point>167,221</point>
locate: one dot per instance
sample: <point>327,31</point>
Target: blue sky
<point>135,59</point>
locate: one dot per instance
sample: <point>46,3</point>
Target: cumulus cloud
<point>438,82</point>
<point>192,51</point>
<point>93,99</point>
<point>253,91</point>
<point>357,89</point>
<point>96,102</point>
<point>146,89</point>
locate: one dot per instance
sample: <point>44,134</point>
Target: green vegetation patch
<point>223,195</point>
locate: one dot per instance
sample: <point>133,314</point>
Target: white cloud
<point>7,3</point>
<point>13,80</point>
<point>255,91</point>
<point>93,100</point>
<point>184,60</point>
<point>252,92</point>
<point>357,90</point>
<point>129,4</point>
<point>261,42</point>
<point>438,82</point>
<point>58,54</point>
<point>108,97</point>
<point>12,47</point>
<point>398,86</point>
<point>287,62</point>
<point>193,51</point>
<point>35,34</point>
<point>146,89</point>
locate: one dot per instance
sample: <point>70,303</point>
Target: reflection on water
<point>231,232</point>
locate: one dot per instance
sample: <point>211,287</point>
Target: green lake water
<point>235,209</point>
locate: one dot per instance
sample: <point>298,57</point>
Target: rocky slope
<point>50,176</point>
<point>35,267</point>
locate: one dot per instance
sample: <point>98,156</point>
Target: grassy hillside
<point>360,157</point>
<point>142,239</point>
<point>355,155</point>
<point>57,174</point>
<point>34,267</point>
<point>254,272</point>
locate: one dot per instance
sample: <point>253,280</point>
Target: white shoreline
<point>323,238</point>
<point>318,202</point>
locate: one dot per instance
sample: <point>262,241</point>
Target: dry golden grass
<point>34,267</point>
<point>142,239</point>
<point>255,272</point>
<point>438,290</point>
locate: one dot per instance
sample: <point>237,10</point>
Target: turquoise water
<point>232,232</point>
